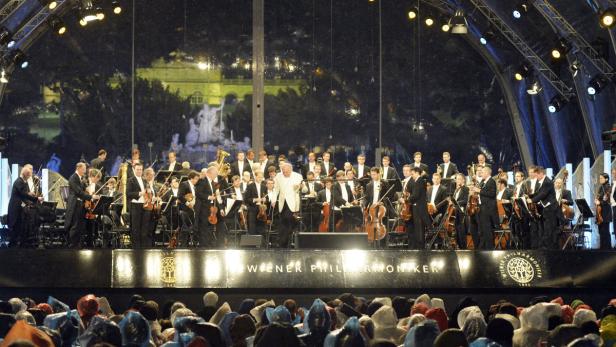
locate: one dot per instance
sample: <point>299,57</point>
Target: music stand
<point>163,176</point>
<point>102,206</point>
<point>353,215</point>
<point>578,228</point>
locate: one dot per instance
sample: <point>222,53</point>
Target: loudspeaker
<point>332,241</point>
<point>251,241</point>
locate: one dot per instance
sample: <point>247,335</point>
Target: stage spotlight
<point>57,25</point>
<point>575,67</point>
<point>520,10</point>
<point>458,23</point>
<point>51,4</point>
<point>487,37</point>
<point>412,14</point>
<point>117,8</point>
<point>607,18</point>
<point>10,44</point>
<point>16,57</point>
<point>429,21</point>
<point>3,78</point>
<point>556,104</point>
<point>522,72</point>
<point>534,88</point>
<point>597,84</point>
<point>5,36</point>
<point>445,27</point>
<point>89,12</point>
<point>562,47</point>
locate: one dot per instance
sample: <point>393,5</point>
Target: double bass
<point>326,212</point>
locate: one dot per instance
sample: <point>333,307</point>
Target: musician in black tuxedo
<point>418,164</point>
<point>172,164</point>
<point>310,189</point>
<point>362,171</point>
<point>388,172</point>
<point>436,194</point>
<point>406,184</point>
<point>460,197</point>
<point>448,171</point>
<point>332,197</point>
<point>99,163</point>
<point>488,214</point>
<point>75,211</point>
<point>139,218</point>
<point>545,197</point>
<point>602,198</point>
<point>343,189</point>
<point>310,165</point>
<point>563,197</point>
<point>20,197</point>
<point>520,224</point>
<point>186,204</point>
<point>208,194</point>
<point>376,189</point>
<point>253,197</point>
<point>240,165</point>
<point>329,168</point>
<point>418,199</point>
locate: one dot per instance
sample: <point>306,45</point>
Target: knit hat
<point>451,337</point>
<point>210,299</point>
<point>422,335</point>
<point>23,331</point>
<point>467,312</point>
<point>582,316</point>
<point>220,313</point>
<point>438,314</point>
<point>563,334</point>
<point>501,331</point>
<point>514,321</point>
<point>575,303</point>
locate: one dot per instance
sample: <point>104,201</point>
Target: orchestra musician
<point>311,186</point>
<point>208,194</point>
<point>254,197</point>
<point>186,203</point>
<point>503,195</point>
<point>344,190</point>
<point>376,189</point>
<point>353,183</point>
<point>362,171</point>
<point>488,215</point>
<point>233,215</point>
<point>448,171</point>
<point>286,187</point>
<point>602,199</point>
<point>170,202</point>
<point>329,198</point>
<point>99,163</point>
<point>246,180</point>
<point>545,197</point>
<point>613,199</point>
<point>32,220</point>
<point>250,158</point>
<point>437,194</point>
<point>271,172</point>
<point>310,190</point>
<point>389,173</point>
<point>460,196</point>
<point>418,164</point>
<point>406,183</point>
<point>520,227</point>
<point>75,211</point>
<point>21,195</point>
<point>135,155</point>
<point>534,223</point>
<point>264,162</point>
<point>185,170</point>
<point>417,198</point>
<point>135,192</point>
<point>93,186</point>
<point>318,174</point>
<point>111,190</point>
<point>563,197</point>
<point>152,187</point>
<point>240,165</point>
<point>329,169</point>
<point>172,164</point>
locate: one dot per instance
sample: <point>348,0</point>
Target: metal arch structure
<point>564,29</point>
<point>508,93</point>
<point>568,31</point>
<point>8,8</point>
<point>31,31</point>
<point>538,64</point>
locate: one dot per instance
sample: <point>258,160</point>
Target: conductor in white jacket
<point>286,186</point>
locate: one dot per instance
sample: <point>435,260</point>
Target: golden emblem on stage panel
<point>167,270</point>
<point>520,267</point>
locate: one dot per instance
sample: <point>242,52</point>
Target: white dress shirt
<point>142,189</point>
<point>434,192</point>
<point>376,186</point>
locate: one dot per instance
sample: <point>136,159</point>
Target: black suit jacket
<point>336,199</point>
<point>317,187</point>
<point>235,168</point>
<point>545,194</point>
<point>338,190</point>
<point>488,196</point>
<point>566,195</point>
<point>462,199</point>
<point>331,171</point>
<point>96,163</point>
<point>306,168</point>
<point>369,193</point>
<point>366,172</point>
<point>451,170</point>
<point>441,195</point>
<point>507,194</point>
<point>133,189</point>
<point>422,166</point>
<point>76,191</point>
<point>19,195</point>
<point>251,193</point>
<point>182,191</point>
<point>418,199</point>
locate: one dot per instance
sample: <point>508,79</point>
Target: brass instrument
<point>224,169</point>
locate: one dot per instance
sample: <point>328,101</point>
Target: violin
<point>173,241</point>
<point>472,206</point>
<point>406,213</point>
<point>373,222</point>
<point>262,213</point>
<point>601,194</point>
<point>148,199</point>
<point>189,200</point>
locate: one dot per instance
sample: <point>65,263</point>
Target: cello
<point>324,226</point>
<point>373,222</point>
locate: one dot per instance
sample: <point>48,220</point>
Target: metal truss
<point>8,8</point>
<point>538,64</point>
<point>567,31</point>
<point>33,28</point>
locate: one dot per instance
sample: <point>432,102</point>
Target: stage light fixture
<point>487,37</point>
<point>10,44</point>
<point>90,12</point>
<point>51,4</point>
<point>117,8</point>
<point>575,67</point>
<point>57,25</point>
<point>520,10</point>
<point>522,72</point>
<point>607,18</point>
<point>445,27</point>
<point>458,23</point>
<point>412,14</point>
<point>557,103</point>
<point>16,57</point>
<point>562,47</point>
<point>534,88</point>
<point>597,84</point>
<point>429,21</point>
<point>5,36</point>
<point>3,78</point>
